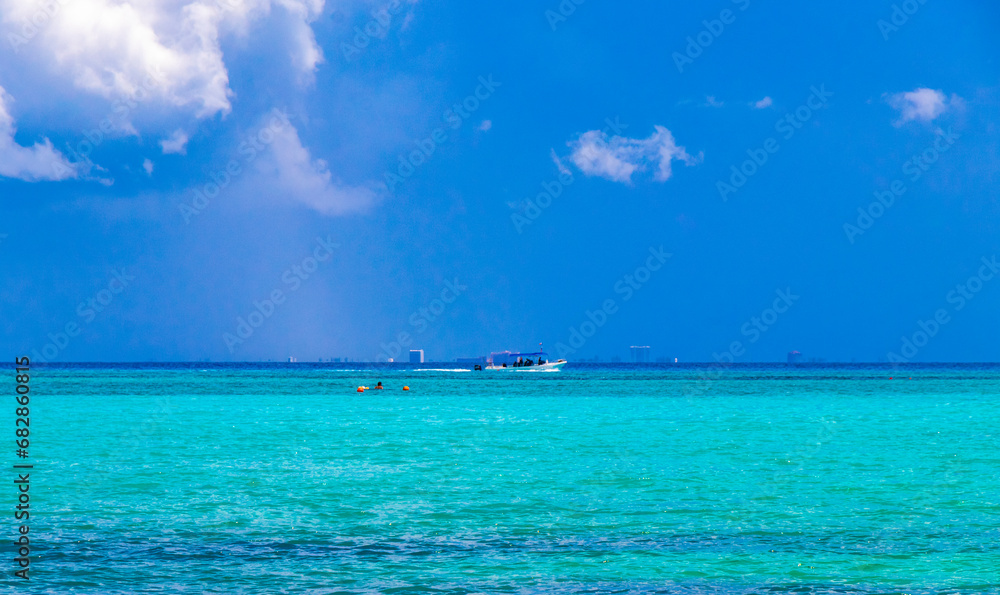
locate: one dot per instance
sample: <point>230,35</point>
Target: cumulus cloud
<point>177,143</point>
<point>112,48</point>
<point>921,105</point>
<point>763,103</point>
<point>309,181</point>
<point>617,158</point>
<point>148,166</point>
<point>35,163</point>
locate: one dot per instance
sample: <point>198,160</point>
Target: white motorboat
<point>509,361</point>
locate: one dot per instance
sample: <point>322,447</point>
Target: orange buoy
<point>361,389</point>
<point>406,388</point>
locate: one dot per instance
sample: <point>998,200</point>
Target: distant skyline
<point>728,181</point>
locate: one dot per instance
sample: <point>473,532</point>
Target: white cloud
<point>922,104</point>
<point>112,48</point>
<point>559,164</point>
<point>763,103</point>
<point>617,158</point>
<point>35,163</point>
<point>711,101</point>
<point>177,143</point>
<point>148,166</point>
<point>308,54</point>
<point>309,181</point>
<point>486,125</point>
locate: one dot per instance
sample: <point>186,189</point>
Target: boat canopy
<point>510,357</point>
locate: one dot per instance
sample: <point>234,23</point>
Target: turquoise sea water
<point>599,479</point>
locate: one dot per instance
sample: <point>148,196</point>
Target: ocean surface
<point>209,478</point>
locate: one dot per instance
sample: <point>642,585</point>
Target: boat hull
<point>548,367</point>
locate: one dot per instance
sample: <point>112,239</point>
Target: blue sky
<point>146,248</point>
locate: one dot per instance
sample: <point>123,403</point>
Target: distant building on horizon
<point>794,357</point>
<point>416,356</point>
<point>640,355</point>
